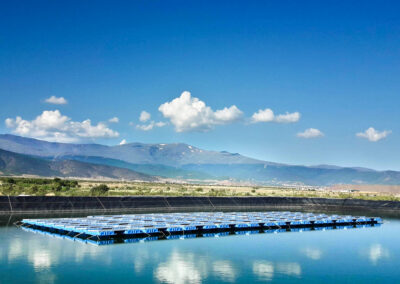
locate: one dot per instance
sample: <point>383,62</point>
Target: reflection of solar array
<point>190,222</point>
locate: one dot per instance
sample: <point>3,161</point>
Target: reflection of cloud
<point>86,251</point>
<point>36,253</point>
<point>15,249</point>
<point>263,269</point>
<point>377,252</point>
<point>182,268</point>
<point>312,253</point>
<point>141,257</point>
<point>266,270</point>
<point>40,259</point>
<point>224,270</point>
<point>289,268</point>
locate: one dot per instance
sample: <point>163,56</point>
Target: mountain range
<point>18,164</point>
<point>138,161</point>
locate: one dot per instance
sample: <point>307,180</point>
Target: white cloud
<point>373,135</point>
<point>263,115</point>
<point>123,142</point>
<point>150,126</point>
<point>56,100</point>
<point>228,114</point>
<point>288,117</point>
<point>187,113</point>
<point>114,120</point>
<point>267,115</point>
<point>53,126</point>
<point>310,133</point>
<point>144,116</point>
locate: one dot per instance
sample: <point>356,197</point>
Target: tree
<point>10,180</point>
<point>99,190</point>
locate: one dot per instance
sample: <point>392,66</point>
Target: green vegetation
<point>101,189</point>
<point>65,187</point>
<point>38,186</point>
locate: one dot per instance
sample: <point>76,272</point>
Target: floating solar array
<point>168,225</point>
<point>138,239</point>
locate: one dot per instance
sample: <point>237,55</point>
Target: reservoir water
<point>360,255</point>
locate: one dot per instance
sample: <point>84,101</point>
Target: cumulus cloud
<point>114,120</point>
<point>123,142</point>
<point>56,100</point>
<point>144,116</point>
<point>310,133</point>
<point>188,113</point>
<point>150,126</point>
<point>263,115</point>
<point>227,114</point>
<point>373,135</point>
<point>53,126</point>
<point>267,115</point>
<point>288,117</point>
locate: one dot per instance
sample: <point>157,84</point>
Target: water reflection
<point>289,268</point>
<point>15,249</point>
<point>265,270</point>
<point>144,257</point>
<point>40,259</point>
<point>43,254</point>
<point>312,253</point>
<point>37,254</point>
<point>182,268</point>
<point>225,271</point>
<point>279,258</point>
<point>140,259</point>
<point>377,252</point>
<point>47,278</point>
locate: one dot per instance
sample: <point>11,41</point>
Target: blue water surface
<point>360,255</point>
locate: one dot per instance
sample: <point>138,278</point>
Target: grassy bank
<point>65,187</point>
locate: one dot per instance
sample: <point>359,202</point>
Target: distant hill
<point>149,169</point>
<point>287,174</point>
<point>175,154</point>
<point>18,164</point>
<point>187,162</point>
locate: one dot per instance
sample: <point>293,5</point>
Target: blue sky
<point>335,63</point>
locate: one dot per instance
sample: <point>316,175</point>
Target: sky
<point>298,82</point>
